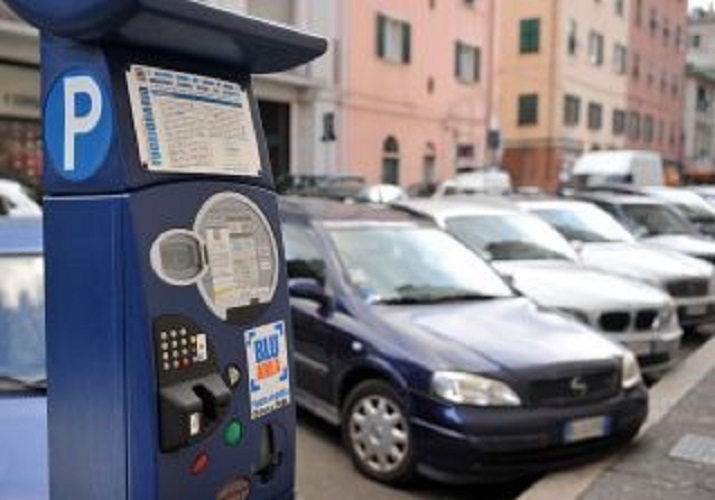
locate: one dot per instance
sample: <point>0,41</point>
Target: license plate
<point>587,428</point>
<point>640,348</point>
<point>698,310</point>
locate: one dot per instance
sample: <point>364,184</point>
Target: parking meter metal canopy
<point>188,27</point>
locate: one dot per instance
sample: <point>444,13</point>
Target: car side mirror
<point>577,245</point>
<point>310,289</point>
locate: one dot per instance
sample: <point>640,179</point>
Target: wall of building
<point>581,76</point>
<point>699,124</point>
<point>421,104</point>
<point>658,37</point>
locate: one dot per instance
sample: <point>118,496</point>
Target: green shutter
<point>406,43</point>
<point>457,50</point>
<point>381,25</point>
<point>477,64</point>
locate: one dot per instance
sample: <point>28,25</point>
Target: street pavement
<point>326,472</point>
<point>324,469</point>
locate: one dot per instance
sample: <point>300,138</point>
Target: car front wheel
<point>377,433</point>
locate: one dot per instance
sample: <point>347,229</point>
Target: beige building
<point>562,84</point>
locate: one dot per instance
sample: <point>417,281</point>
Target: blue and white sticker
<point>78,125</point>
<point>268,369</point>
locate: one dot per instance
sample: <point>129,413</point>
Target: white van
<point>638,168</point>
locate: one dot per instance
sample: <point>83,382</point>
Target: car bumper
<point>656,352</point>
<point>695,311</point>
<point>463,444</point>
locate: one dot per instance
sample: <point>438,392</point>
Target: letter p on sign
<point>78,125</point>
<point>74,124</point>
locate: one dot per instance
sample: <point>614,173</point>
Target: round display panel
<point>241,254</point>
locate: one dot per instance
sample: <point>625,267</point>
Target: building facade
<point>570,80</point>
<point>699,111</point>
<point>414,88</point>
<point>657,78</point>
<point>20,130</point>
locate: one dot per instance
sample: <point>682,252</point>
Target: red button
<point>200,463</point>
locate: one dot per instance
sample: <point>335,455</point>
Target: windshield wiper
<point>9,382</point>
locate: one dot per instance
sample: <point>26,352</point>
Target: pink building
<point>657,77</point>
<point>414,85</point>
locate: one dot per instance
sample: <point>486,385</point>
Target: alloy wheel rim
<point>378,434</point>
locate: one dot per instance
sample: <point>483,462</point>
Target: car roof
<point>335,213</point>
<point>554,203</point>
<point>620,199</point>
<point>443,208</point>
<point>20,235</point>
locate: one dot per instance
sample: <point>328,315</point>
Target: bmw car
<point>543,266</point>
<point>432,364</point>
<point>23,419</point>
<point>605,244</point>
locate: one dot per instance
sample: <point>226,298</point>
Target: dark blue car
<point>431,363</point>
<point>23,420</point>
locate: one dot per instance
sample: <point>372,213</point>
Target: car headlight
<point>666,319</point>
<point>630,371</point>
<point>469,389</point>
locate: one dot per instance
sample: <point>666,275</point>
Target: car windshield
<point>655,220</point>
<point>22,323</point>
<point>510,237</point>
<point>395,264</point>
<point>584,223</point>
<point>693,205</point>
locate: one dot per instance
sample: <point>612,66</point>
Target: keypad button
<point>165,356</point>
<point>164,346</point>
<point>163,335</point>
<point>176,364</point>
<point>184,342</point>
<point>174,344</point>
<point>166,367</point>
<point>183,332</point>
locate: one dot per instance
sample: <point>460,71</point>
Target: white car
<point>541,264</point>
<point>15,201</point>
<point>605,244</point>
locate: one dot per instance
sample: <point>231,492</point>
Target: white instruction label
<point>188,123</point>
<point>226,5</point>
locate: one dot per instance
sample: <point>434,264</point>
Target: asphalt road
<point>325,472</point>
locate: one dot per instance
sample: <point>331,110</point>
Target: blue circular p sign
<point>78,125</point>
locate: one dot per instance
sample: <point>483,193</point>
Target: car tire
<point>376,431</point>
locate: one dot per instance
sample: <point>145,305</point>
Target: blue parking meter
<point>168,336</point>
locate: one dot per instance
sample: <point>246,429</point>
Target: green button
<point>233,433</point>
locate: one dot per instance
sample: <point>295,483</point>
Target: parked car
<point>691,205</point>
<point>542,265</point>
<point>15,200</point>
<point>332,186</point>
<point>655,223</point>
<point>23,402</point>
<point>604,243</point>
<point>492,181</point>
<point>707,192</point>
<point>430,362</point>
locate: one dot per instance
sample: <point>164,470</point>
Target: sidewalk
<point>674,457</point>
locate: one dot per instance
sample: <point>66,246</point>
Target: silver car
<point>605,244</point>
<point>541,264</point>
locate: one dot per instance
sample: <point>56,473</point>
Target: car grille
<point>688,288</point>
<point>645,319</point>
<point>576,388</point>
<point>625,321</point>
<point>615,322</point>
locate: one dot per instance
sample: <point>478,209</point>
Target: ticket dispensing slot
<point>193,396</point>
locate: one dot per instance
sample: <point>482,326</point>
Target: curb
<point>664,396</point>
